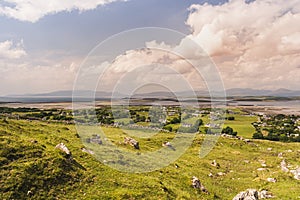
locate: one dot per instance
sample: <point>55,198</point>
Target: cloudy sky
<point>254,44</point>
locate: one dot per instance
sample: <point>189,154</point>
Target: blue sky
<point>254,44</point>
<point>81,31</point>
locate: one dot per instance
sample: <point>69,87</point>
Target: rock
<point>34,141</point>
<point>284,166</point>
<point>280,155</point>
<point>264,194</point>
<point>261,169</point>
<point>296,173</point>
<point>269,149</point>
<point>221,174</point>
<point>87,151</point>
<point>63,147</point>
<point>272,180</point>
<point>197,184</point>
<point>168,144</point>
<point>252,194</point>
<point>210,175</point>
<point>289,151</point>
<point>94,139</point>
<point>215,164</point>
<point>132,142</point>
<point>263,163</point>
<point>247,140</point>
<point>249,194</point>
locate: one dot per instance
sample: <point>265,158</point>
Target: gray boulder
<point>249,194</point>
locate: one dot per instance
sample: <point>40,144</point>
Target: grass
<point>242,124</point>
<point>30,162</point>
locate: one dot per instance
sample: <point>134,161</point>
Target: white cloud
<point>33,10</point>
<point>10,51</point>
<point>252,43</point>
<point>22,78</point>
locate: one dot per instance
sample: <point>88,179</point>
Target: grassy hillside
<point>32,168</point>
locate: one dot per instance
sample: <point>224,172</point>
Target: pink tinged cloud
<point>9,50</point>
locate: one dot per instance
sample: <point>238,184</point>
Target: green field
<point>30,162</point>
<point>242,124</point>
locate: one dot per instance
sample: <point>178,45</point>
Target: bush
<point>230,118</point>
<point>258,135</point>
<point>229,131</point>
<point>169,128</point>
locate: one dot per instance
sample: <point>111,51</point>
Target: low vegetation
<point>32,168</point>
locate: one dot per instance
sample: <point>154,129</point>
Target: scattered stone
<point>221,174</point>
<point>261,169</point>
<point>168,144</point>
<point>252,194</point>
<point>87,151</point>
<point>289,151</point>
<point>247,161</point>
<point>132,142</point>
<point>34,141</point>
<point>296,173</point>
<point>176,166</point>
<point>284,166</point>
<point>247,140</point>
<point>264,194</point>
<point>210,175</point>
<point>280,155</point>
<point>29,192</point>
<point>197,184</point>
<point>94,139</point>
<point>263,163</point>
<point>63,147</point>
<point>272,180</point>
<point>249,194</point>
<point>215,164</point>
<point>269,149</point>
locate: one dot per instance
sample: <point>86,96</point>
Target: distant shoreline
<point>265,107</point>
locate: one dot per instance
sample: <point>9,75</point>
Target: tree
<point>175,120</point>
<point>231,118</point>
<point>258,135</point>
<point>229,131</point>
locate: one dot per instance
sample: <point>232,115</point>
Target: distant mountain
<point>71,93</point>
<point>254,92</point>
<point>88,95</point>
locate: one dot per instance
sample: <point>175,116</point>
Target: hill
<point>31,167</point>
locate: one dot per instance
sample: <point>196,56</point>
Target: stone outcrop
<point>296,173</point>
<point>252,194</point>
<point>132,142</point>
<point>198,185</point>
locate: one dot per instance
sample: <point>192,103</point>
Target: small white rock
<point>272,180</point>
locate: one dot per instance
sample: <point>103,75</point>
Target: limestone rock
<point>296,173</point>
<point>249,194</point>
<point>198,185</point>
<point>284,166</point>
<point>272,180</point>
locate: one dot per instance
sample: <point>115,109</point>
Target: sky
<point>253,44</point>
